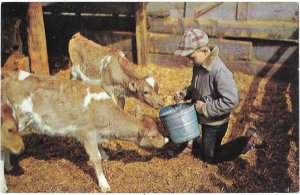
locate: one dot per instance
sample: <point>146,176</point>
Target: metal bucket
<point>181,122</point>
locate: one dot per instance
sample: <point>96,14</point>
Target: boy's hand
<point>199,106</point>
<point>179,95</point>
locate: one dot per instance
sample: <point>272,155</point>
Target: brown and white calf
<point>11,140</point>
<point>110,69</point>
<point>56,106</point>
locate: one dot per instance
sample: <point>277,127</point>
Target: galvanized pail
<point>181,122</point>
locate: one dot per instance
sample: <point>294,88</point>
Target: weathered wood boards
<point>270,11</point>
<point>231,50</point>
<point>273,11</point>
<point>211,10</point>
<point>90,7</point>
<point>228,28</point>
<point>257,38</point>
<point>37,47</point>
<point>166,9</point>
<point>242,11</point>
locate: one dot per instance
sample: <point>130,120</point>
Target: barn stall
<point>258,42</point>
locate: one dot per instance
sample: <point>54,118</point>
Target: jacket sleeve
<point>228,95</point>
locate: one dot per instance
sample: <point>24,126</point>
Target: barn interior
<point>258,41</point>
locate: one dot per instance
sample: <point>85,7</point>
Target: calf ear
<point>133,86</point>
<point>138,111</point>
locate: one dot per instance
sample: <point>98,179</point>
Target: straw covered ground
<point>53,164</point>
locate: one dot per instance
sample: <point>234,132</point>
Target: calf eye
<point>146,92</point>
<point>10,130</point>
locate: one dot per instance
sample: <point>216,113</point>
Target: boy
<point>213,91</point>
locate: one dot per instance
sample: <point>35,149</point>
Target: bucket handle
<point>175,105</point>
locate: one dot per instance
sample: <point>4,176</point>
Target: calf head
<point>149,136</point>
<point>146,91</point>
<point>10,137</point>
<point>17,61</point>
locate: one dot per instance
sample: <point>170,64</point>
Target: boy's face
<point>199,55</point>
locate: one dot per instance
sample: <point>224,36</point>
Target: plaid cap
<point>191,40</point>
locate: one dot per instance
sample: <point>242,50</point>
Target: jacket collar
<point>210,60</point>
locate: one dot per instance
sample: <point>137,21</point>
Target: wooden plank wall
<point>252,33</point>
<point>106,23</point>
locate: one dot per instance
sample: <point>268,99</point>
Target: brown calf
<point>11,141</point>
<point>109,69</point>
<point>56,106</point>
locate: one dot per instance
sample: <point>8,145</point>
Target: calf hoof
<point>3,187</point>
<point>104,190</point>
<point>103,184</point>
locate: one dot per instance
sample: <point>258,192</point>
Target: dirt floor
<point>53,164</point>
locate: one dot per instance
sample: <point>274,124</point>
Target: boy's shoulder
<point>220,66</point>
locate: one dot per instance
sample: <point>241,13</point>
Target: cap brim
<point>183,52</point>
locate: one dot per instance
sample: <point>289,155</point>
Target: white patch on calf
<point>22,123</point>
<point>29,117</point>
<point>74,73</point>
<point>26,105</point>
<point>48,130</point>
<point>96,96</point>
<point>77,73</point>
<point>23,75</point>
<point>26,108</point>
<point>104,62</point>
<point>150,81</point>
<point>122,54</point>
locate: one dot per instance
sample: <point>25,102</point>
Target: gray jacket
<point>213,83</point>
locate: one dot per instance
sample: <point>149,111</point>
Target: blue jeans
<point>211,141</point>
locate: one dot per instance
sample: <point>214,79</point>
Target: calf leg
<point>89,140</point>
<point>104,155</point>
<point>7,165</point>
<point>3,186</point>
<point>121,102</point>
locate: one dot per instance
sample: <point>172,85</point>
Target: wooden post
<point>37,47</point>
<point>141,33</point>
